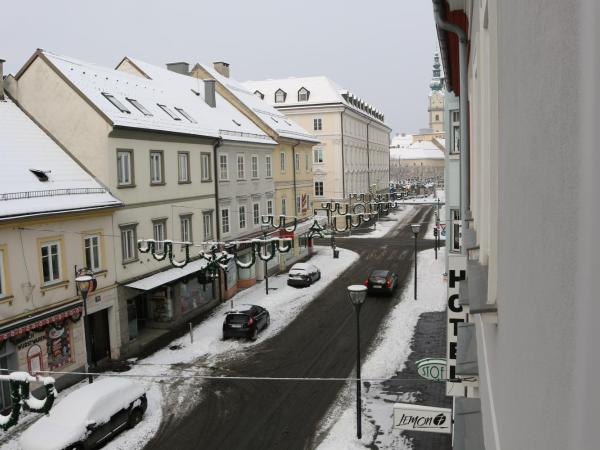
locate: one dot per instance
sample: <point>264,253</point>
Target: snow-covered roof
<point>417,150</point>
<point>401,140</point>
<point>274,119</point>
<point>321,90</point>
<point>24,146</point>
<point>231,123</point>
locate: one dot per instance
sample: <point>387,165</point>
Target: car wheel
<point>135,417</point>
<point>254,334</point>
<point>268,321</point>
<point>225,337</point>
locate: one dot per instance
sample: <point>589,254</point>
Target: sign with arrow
<point>422,418</point>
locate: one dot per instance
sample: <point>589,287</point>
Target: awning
<point>39,320</point>
<point>161,278</point>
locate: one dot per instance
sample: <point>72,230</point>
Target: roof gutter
<point>294,175</point>
<point>464,132</point>
<point>216,144</point>
<point>343,170</point>
<point>368,159</point>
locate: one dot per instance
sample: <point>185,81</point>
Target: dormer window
<point>280,96</point>
<point>303,94</point>
<point>185,114</point>
<point>259,94</point>
<point>236,122</point>
<point>116,103</point>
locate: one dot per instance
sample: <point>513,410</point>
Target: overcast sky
<point>381,50</point>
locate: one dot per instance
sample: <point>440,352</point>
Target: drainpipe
<point>216,144</point>
<point>464,133</point>
<point>343,176</point>
<point>294,175</point>
<point>368,161</point>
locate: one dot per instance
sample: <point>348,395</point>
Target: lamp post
<point>84,284</point>
<point>357,294</point>
<point>415,229</point>
<point>265,228</point>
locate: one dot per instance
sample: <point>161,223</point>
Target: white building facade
<point>354,152</point>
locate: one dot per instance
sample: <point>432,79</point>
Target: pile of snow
<point>391,350</point>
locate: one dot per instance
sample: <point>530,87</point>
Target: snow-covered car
<point>88,417</point>
<point>245,321</point>
<point>303,274</point>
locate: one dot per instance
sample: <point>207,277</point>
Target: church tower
<point>436,97</point>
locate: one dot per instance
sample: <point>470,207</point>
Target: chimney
<point>179,67</point>
<point>222,68</point>
<point>209,93</point>
<point>1,79</point>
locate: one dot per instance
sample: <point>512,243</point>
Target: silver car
<point>303,274</point>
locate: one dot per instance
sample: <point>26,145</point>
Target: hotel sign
<point>457,313</point>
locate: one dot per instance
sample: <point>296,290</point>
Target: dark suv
<point>381,281</point>
<point>246,321</point>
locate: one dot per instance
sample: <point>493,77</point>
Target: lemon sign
<point>432,369</point>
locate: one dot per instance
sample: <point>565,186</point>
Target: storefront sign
<point>41,323</point>
<point>422,418</point>
<point>59,345</point>
<point>432,369</point>
<point>457,313</point>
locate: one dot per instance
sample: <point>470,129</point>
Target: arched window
<point>303,94</point>
<point>280,96</point>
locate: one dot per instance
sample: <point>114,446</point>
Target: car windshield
<point>237,318</point>
<point>379,274</point>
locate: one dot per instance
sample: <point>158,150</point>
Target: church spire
<point>437,80</point>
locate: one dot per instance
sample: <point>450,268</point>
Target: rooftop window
<point>280,96</point>
<point>169,112</point>
<point>195,92</point>
<point>303,94</point>
<point>236,122</point>
<point>259,94</point>
<point>139,106</point>
<point>116,103</point>
<point>185,114</point>
<point>274,120</point>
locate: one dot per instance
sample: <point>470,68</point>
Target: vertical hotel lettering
<point>457,313</point>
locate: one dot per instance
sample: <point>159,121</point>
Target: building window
<point>51,262</point>
<point>207,224</point>
<point>318,155</point>
<point>282,162</point>
<point>186,228</point>
<point>284,206</point>
<point>318,188</point>
<point>297,162</point>
<point>125,167</point>
<point>116,103</point>
<point>141,108</point>
<point>298,204</point>
<point>317,124</point>
<point>91,245</point>
<point>455,147</point>
<point>223,169</point>
<point>307,162</point>
<point>254,164</point>
<point>256,214</point>
<point>303,94</point>
<point>170,113</point>
<point>259,94</point>
<point>128,243</point>
<point>159,229</point>
<point>268,166</point>
<point>437,117</point>
<point>242,214</point>
<point>241,167</point>
<point>280,96</point>
<point>225,220</point>
<point>205,166</point>
<point>184,167</point>
<point>269,207</point>
<point>156,167</point>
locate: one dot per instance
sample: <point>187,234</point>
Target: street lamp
<point>265,228</point>
<point>415,229</point>
<point>84,284</point>
<point>357,294</point>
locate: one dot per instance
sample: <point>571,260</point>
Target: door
<point>4,385</point>
<point>99,335</point>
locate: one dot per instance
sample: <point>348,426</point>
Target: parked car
<point>246,321</point>
<point>89,417</point>
<point>381,281</point>
<point>302,274</point>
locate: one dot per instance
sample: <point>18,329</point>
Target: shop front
<point>52,341</point>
